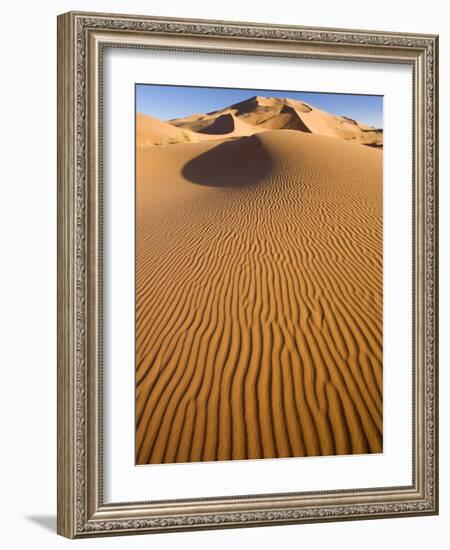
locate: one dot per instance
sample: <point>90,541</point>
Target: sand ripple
<point>259,302</point>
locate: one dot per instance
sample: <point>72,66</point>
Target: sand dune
<point>284,113</point>
<point>152,131</point>
<point>287,118</point>
<point>259,297</point>
<point>229,125</point>
<point>193,122</point>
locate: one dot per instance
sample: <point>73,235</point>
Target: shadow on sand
<point>234,163</point>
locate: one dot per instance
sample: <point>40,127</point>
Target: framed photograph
<point>247,276</point>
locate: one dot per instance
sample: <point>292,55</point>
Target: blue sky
<point>166,102</point>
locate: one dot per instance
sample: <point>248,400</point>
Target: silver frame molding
<point>81,39</point>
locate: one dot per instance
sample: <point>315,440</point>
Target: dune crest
<point>230,125</point>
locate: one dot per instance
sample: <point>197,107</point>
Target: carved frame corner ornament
<point>81,38</point>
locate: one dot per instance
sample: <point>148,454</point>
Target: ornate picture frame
<point>82,39</point>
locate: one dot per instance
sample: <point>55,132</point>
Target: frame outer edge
<point>74,479</point>
<point>435,216</point>
<point>66,524</point>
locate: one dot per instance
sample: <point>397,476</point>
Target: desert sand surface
<point>258,292</point>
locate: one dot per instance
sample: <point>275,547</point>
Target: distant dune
<point>152,131</point>
<point>259,287</point>
<point>230,125</point>
<point>271,113</point>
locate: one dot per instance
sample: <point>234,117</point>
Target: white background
<point>28,273</point>
<point>123,482</point>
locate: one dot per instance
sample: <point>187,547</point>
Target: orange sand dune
<point>229,125</point>
<point>258,298</point>
<point>152,131</point>
<point>287,118</point>
<point>193,122</point>
<point>284,113</point>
